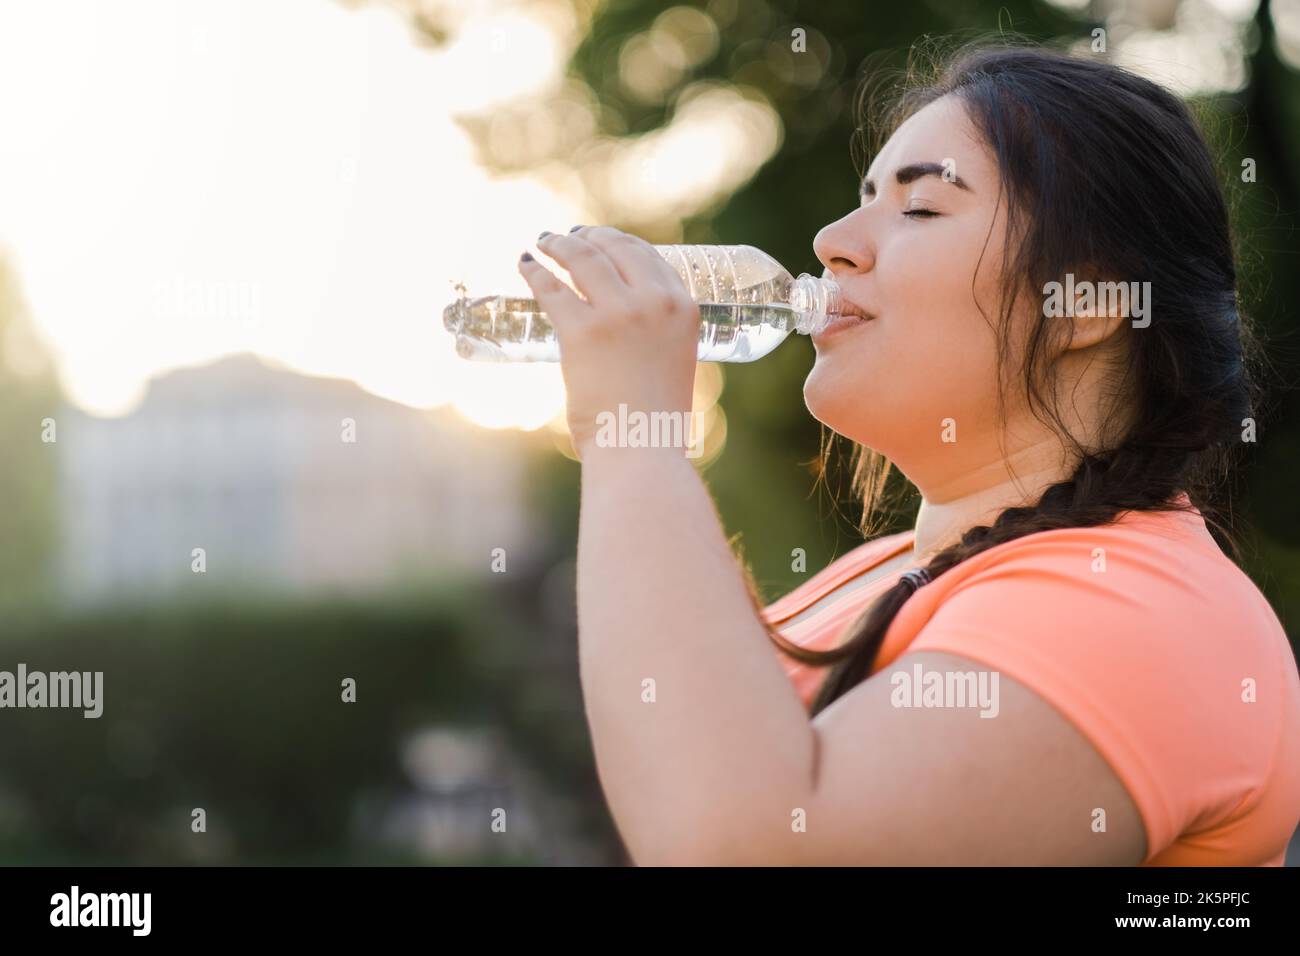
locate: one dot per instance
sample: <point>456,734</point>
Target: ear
<point>1101,307</point>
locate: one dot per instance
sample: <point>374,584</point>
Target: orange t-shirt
<point>1146,636</point>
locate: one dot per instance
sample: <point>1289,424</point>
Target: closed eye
<point>920,213</point>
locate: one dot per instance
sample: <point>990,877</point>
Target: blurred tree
<point>1266,220</point>
<point>29,395</point>
<point>236,707</point>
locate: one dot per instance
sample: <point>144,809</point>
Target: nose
<point>844,245</point>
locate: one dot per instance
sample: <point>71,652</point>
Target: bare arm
<point>723,742</point>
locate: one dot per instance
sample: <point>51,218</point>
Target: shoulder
<point>1159,570</point>
<point>1147,638</point>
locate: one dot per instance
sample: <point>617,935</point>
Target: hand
<point>633,341</point>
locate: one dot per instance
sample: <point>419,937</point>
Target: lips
<point>848,308</point>
<point>846,305</point>
<point>849,316</point>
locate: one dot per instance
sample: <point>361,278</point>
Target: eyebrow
<point>911,173</point>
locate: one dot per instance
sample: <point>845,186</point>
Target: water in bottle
<point>748,305</point>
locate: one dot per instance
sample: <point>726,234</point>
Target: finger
<point>592,271</point>
<point>556,299</point>
<point>636,260</point>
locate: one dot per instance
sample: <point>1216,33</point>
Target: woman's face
<point>921,254</point>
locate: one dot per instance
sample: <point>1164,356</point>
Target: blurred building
<point>286,482</point>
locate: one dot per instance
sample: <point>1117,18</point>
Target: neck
<point>977,496</point>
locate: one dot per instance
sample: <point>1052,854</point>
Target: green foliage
<point>238,710</point>
<point>28,396</point>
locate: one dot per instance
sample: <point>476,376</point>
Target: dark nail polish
<point>543,236</point>
<point>575,228</point>
<point>526,257</point>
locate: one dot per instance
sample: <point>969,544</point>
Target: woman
<point>1058,664</point>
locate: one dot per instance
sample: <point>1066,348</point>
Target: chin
<point>833,399</point>
<point>870,415</point>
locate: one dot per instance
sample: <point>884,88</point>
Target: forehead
<point>938,131</point>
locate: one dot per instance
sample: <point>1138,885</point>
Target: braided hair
<point>1104,168</point>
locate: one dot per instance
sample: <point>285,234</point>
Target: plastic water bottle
<point>748,303</point>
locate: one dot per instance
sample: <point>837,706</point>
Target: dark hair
<point>1106,174</point>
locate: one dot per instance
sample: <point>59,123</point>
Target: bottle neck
<point>814,300</point>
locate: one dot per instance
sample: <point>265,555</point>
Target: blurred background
<point>244,465</point>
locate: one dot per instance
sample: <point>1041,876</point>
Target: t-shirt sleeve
<point>1126,646</point>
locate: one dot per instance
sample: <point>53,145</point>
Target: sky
<point>183,180</point>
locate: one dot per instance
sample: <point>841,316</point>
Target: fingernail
<point>575,228</point>
<point>526,257</point>
<point>543,236</point>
